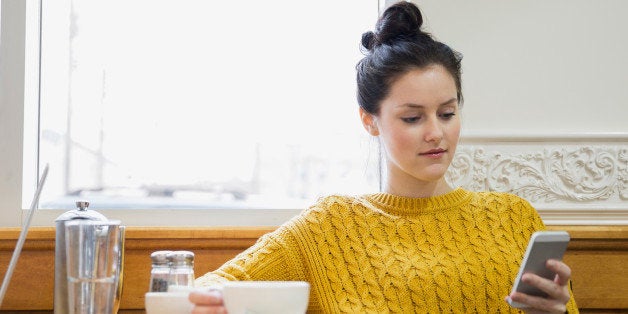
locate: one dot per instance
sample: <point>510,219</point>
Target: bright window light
<point>202,104</point>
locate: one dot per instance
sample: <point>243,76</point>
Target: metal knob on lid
<point>82,205</point>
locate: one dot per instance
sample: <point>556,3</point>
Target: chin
<point>433,173</point>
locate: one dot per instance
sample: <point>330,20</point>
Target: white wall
<point>538,66</point>
<point>546,102</point>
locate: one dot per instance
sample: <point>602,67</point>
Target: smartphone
<point>543,245</point>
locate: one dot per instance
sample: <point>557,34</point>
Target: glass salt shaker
<point>181,268</point>
<point>160,272</point>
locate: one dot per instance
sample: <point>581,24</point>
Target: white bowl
<point>167,303</point>
<point>266,297</point>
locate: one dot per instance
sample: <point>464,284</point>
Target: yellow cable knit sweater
<point>381,253</point>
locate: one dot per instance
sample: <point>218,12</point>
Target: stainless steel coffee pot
<point>61,280</point>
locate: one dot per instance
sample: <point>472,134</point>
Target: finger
<point>212,297</point>
<point>553,290</point>
<point>562,271</point>
<point>538,303</point>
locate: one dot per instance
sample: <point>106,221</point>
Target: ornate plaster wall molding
<point>579,176</point>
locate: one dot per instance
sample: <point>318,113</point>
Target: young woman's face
<point>419,126</point>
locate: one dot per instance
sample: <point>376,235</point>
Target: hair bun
<point>368,40</point>
<point>401,21</point>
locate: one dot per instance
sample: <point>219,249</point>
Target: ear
<point>369,122</point>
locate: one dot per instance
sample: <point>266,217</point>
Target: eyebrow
<point>413,105</point>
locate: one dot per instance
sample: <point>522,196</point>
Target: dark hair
<point>397,46</point>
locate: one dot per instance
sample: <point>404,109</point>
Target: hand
<point>207,302</point>
<point>557,290</point>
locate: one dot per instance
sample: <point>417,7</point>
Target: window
<point>236,106</point>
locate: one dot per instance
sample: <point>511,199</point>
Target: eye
<point>448,115</point>
<point>410,119</point>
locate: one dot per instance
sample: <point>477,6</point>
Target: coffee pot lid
<point>81,213</point>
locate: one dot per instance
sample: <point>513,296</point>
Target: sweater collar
<point>400,205</point>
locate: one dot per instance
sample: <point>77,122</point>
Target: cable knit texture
<point>380,253</point>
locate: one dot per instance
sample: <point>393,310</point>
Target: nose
<point>433,131</point>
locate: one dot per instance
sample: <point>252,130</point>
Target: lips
<point>434,152</point>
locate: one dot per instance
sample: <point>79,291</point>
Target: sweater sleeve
<point>274,257</point>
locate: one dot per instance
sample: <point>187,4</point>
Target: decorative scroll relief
<point>546,173</point>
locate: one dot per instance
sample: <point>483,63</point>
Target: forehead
<point>427,86</point>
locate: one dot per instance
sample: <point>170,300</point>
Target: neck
<point>419,189</point>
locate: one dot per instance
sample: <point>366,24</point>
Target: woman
<point>420,245</point>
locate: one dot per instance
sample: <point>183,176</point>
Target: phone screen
<point>543,245</point>
<point>540,253</point>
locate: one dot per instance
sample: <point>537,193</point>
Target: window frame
<point>12,83</point>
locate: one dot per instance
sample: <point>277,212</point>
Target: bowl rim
<point>266,284</point>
